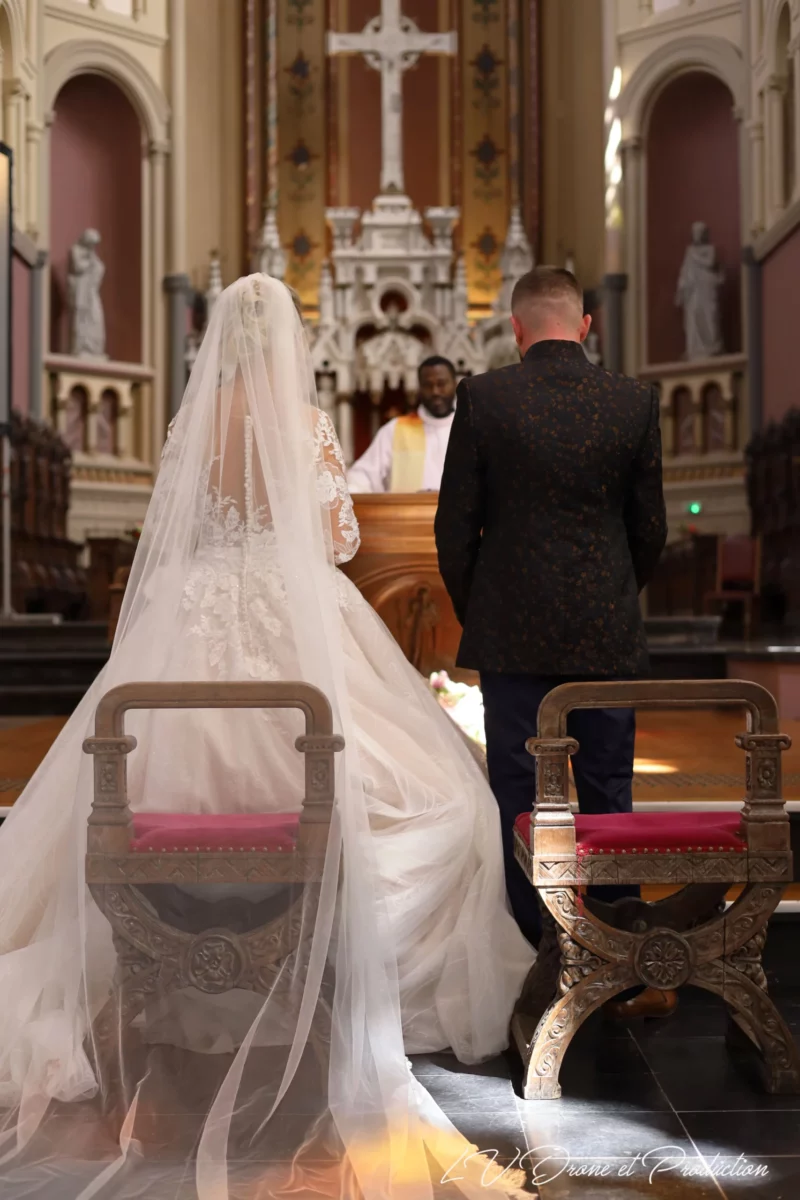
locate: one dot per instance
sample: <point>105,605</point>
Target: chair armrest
<point>110,824</point>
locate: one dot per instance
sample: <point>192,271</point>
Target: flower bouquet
<point>463,703</point>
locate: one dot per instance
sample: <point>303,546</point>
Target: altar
<point>396,571</point>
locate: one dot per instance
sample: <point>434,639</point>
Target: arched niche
<point>691,142</point>
<point>96,183</point>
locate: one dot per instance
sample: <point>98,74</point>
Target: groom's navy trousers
<point>602,769</point>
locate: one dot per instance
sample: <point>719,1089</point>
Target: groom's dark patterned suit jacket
<point>551,516</point>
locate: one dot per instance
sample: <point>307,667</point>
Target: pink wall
<point>781,275</point>
<point>20,334</point>
<point>692,175</point>
<point>96,160</point>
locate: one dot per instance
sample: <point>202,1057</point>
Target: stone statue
<point>699,284</point>
<point>87,323</point>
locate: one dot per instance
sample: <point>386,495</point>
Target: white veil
<point>241,538</point>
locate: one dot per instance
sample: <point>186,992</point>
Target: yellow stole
<point>408,454</point>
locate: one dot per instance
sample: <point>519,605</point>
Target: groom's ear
<point>586,325</point>
<point>516,325</point>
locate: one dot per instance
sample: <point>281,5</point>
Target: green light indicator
<point>695,508</point>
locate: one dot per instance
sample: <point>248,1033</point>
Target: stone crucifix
<point>391,43</point>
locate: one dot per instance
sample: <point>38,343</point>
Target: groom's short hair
<point>545,286</point>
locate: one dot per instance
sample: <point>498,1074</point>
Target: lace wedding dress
<point>236,578</point>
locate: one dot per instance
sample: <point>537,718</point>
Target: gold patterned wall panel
<point>301,143</point>
<point>485,146</point>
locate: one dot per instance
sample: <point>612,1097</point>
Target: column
<point>178,205</point>
<point>775,168</point>
<point>632,220</point>
<point>33,134</point>
<point>44,226</point>
<point>178,290</point>
<point>755,131</point>
<point>14,136</point>
<point>755,339</point>
<point>614,285</point>
<point>157,424</point>
<point>36,345</point>
<point>794,51</point>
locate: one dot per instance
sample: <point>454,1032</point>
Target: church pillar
<point>178,289</point>
<point>756,131</point>
<point>178,202</point>
<point>36,341</point>
<point>33,139</point>
<point>776,176</point>
<point>14,136</point>
<point>755,338</point>
<point>794,50</point>
<point>633,222</point>
<point>614,286</point>
<point>156,228</point>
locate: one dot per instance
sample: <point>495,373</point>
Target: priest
<point>407,454</point>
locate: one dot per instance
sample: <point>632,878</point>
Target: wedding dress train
<point>235,578</point>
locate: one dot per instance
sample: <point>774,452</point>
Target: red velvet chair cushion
<point>652,832</point>
<point>258,832</point>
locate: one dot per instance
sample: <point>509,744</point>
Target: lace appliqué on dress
<point>334,494</point>
<point>235,589</point>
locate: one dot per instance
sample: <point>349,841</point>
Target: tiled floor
<point>658,1111</point>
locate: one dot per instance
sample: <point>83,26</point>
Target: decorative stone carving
<point>85,277</point>
<point>215,285</point>
<point>271,257</point>
<point>699,285</point>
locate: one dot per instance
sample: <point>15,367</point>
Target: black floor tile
<point>587,1088</point>
<point>689,1021</point>
<point>754,1134</point>
<point>424,1065</point>
<point>457,1093</point>
<point>631,1182</point>
<point>598,1134</point>
<point>780,1182</point>
<point>498,1133</point>
<point>700,1075</point>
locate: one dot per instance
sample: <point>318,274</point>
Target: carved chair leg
<point>544,1055</point>
<point>111,1031</point>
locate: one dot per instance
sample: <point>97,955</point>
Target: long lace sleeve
<point>334,494</point>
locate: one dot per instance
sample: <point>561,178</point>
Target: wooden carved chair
<point>129,855</point>
<point>738,576</point>
<point>592,951</point>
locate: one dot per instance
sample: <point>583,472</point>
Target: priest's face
<point>437,390</point>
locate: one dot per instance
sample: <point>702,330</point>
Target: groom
<point>551,519</point>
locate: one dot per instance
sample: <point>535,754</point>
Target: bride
<point>235,578</point>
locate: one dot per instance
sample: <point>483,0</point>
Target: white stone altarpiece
<point>394,292</point>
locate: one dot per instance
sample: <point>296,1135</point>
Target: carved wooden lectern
<point>397,572</point>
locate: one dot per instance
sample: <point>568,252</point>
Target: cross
<point>391,43</point>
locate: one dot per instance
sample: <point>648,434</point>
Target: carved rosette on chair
<point>592,951</point>
<point>127,852</point>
